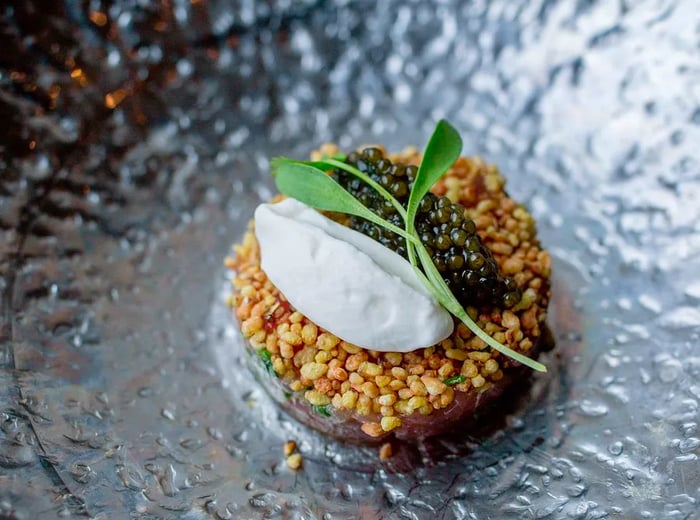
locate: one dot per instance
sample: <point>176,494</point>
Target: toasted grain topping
<point>349,399</point>
<point>390,423</point>
<point>386,451</point>
<point>433,385</point>
<point>313,371</point>
<point>317,398</point>
<point>478,381</point>
<point>289,448</point>
<point>294,461</point>
<point>326,341</point>
<point>372,429</point>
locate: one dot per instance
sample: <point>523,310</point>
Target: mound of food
<point>484,246</point>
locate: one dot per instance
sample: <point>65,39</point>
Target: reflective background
<point>134,145</point>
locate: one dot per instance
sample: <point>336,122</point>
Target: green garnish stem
<point>371,182</point>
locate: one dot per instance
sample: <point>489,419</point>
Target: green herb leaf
<point>266,358</point>
<point>322,164</point>
<point>455,380</point>
<point>328,163</point>
<point>313,187</point>
<point>321,410</point>
<point>442,151</point>
<point>340,156</point>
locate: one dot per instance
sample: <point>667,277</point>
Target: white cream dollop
<point>346,282</point>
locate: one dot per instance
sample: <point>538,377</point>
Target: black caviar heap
<point>450,237</point>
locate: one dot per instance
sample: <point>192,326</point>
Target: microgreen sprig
<point>312,186</point>
<point>308,182</point>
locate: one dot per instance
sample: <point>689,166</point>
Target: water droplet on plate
<point>81,472</point>
<point>615,448</point>
<point>592,408</point>
<point>13,455</point>
<point>681,318</point>
<point>667,368</point>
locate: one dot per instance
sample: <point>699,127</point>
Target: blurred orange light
<point>98,18</point>
<point>114,98</point>
<point>79,76</point>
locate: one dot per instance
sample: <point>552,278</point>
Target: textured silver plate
<point>135,145</point>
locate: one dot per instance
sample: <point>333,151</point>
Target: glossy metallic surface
<point>134,147</point>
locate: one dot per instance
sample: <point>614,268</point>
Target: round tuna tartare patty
<point>362,395</point>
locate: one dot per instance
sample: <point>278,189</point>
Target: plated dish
<point>126,377</point>
<point>359,386</point>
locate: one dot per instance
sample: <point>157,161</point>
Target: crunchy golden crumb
<point>383,387</point>
<point>294,461</point>
<point>289,448</point>
<point>372,429</point>
<point>386,451</point>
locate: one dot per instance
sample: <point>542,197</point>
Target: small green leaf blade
<point>442,151</point>
<point>321,409</point>
<point>313,187</point>
<point>455,380</point>
<point>266,358</point>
